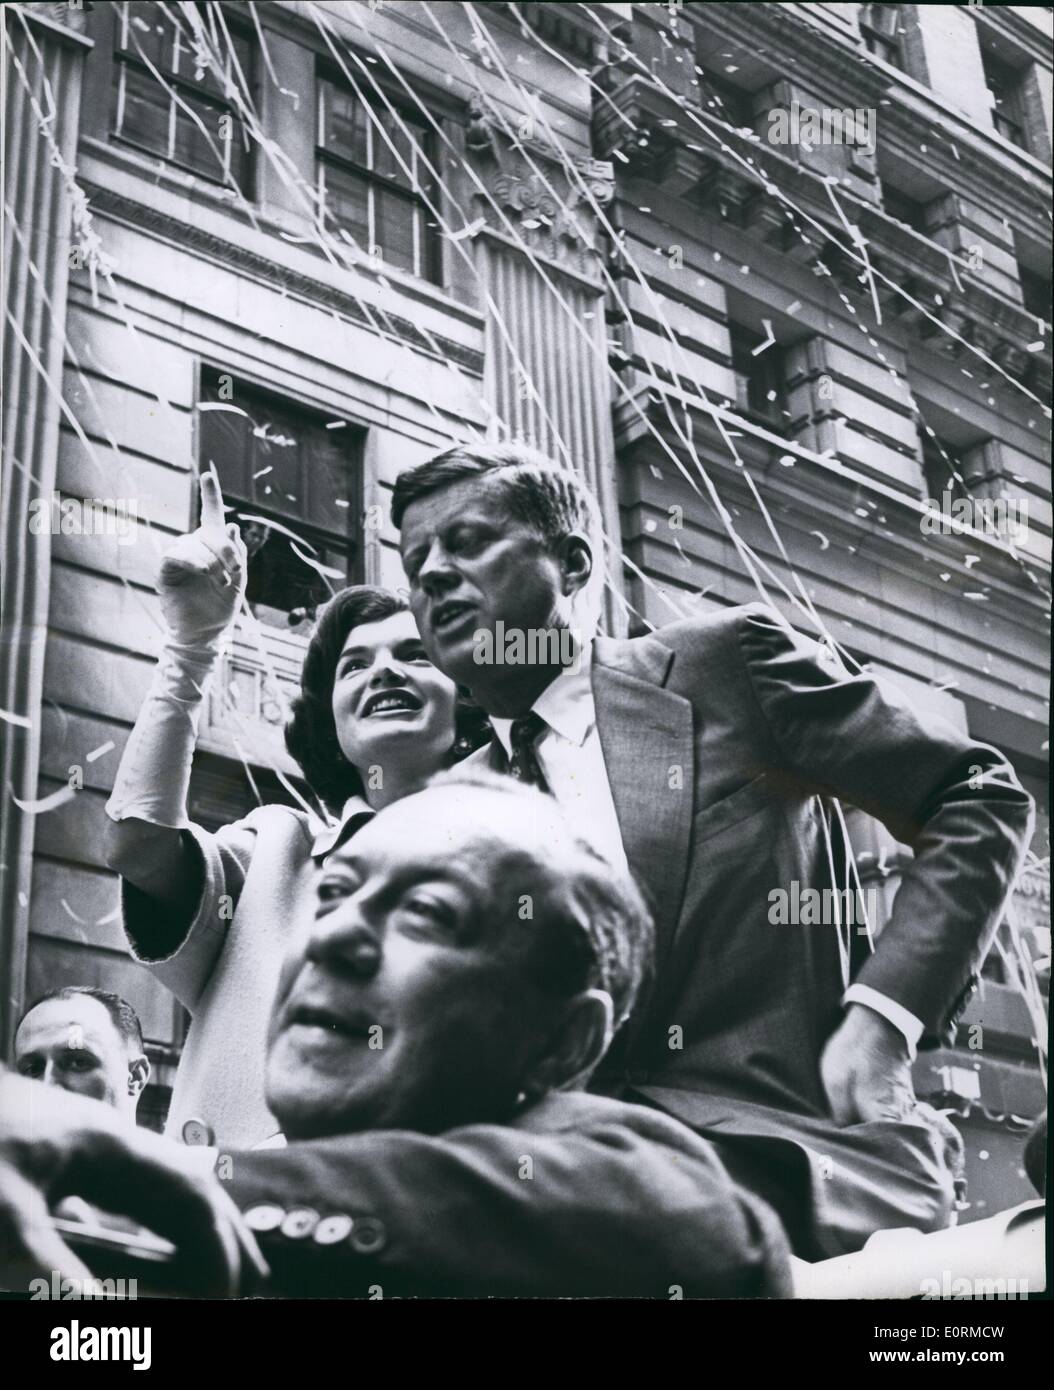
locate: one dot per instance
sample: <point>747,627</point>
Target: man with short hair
<point>465,964</point>
<point>706,755</point>
<point>85,1040</point>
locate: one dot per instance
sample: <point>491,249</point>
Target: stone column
<point>545,377</point>
<point>43,58</point>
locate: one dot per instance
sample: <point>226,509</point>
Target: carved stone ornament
<point>550,210</point>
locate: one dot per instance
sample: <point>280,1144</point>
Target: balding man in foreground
<point>464,968</point>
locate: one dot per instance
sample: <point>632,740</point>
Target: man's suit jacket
<point>577,1196</point>
<point>724,739</point>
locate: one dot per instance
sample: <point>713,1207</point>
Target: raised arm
<point>956,802</point>
<point>200,582</point>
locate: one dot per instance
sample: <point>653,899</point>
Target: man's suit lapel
<point>646,735</point>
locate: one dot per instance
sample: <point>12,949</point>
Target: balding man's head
<point>466,949</point>
<point>85,1040</point>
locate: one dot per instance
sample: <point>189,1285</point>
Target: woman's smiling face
<point>389,701</point>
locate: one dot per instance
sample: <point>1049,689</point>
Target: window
<point>939,458</point>
<point>185,118</point>
<point>1004,83</point>
<point>1035,292</point>
<point>759,376</point>
<point>880,30</point>
<point>726,101</point>
<point>284,469</point>
<point>374,188</point>
<point>903,208</point>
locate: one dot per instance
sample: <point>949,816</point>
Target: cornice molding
<point>708,179</point>
<point>842,68</point>
<point>796,47</point>
<point>1002,20</point>
<point>243,261</point>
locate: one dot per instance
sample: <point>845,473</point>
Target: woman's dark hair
<point>311,733</point>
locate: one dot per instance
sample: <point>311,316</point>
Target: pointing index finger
<point>212,518</point>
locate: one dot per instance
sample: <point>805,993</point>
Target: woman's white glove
<point>202,576</point>
<point>201,582</point>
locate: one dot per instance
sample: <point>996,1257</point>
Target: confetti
<point>222,405</point>
<point>99,752</point>
<point>327,571</point>
<point>43,804</point>
<point>19,719</point>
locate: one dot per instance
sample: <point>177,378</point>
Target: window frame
<point>240,167</point>
<point>741,339</point>
<point>936,469</point>
<point>915,207</point>
<point>428,265</point>
<point>1004,83</point>
<point>879,29</point>
<point>315,534</point>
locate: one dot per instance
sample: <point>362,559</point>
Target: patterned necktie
<point>523,764</point>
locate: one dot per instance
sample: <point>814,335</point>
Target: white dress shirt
<point>572,761</point>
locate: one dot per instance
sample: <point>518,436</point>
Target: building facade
<point>774,277</point>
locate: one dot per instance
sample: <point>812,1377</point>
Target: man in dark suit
<point>707,755</point>
<point>465,964</point>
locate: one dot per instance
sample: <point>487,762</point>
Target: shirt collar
<point>356,811</point>
<point>566,705</point>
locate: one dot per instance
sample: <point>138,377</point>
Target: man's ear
<point>576,1044</point>
<point>576,561</point>
<point>138,1076</point>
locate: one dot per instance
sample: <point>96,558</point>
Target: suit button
<point>299,1223</point>
<point>368,1235</point>
<point>331,1230</point>
<point>196,1132</point>
<point>264,1218</point>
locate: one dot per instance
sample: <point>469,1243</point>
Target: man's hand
<point>202,575</point>
<point>866,1069</point>
<point>54,1144</point>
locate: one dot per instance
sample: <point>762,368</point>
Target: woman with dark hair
<point>211,914</point>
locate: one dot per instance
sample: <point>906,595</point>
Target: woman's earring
<point>462,746</point>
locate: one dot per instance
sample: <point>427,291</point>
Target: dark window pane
<point>904,209</point>
<point>344,131</point>
<point>149,34</point>
<point>384,156</point>
<point>277,463</point>
<point>759,379</point>
<point>224,442</point>
<point>394,223</point>
<point>326,480</point>
<point>1036,292</point>
<point>940,464</point>
<point>144,115</point>
<point>727,102</point>
<point>347,200</point>
<point>192,145</point>
<point>1004,83</point>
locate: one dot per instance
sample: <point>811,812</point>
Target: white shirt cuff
<point>902,1019</point>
